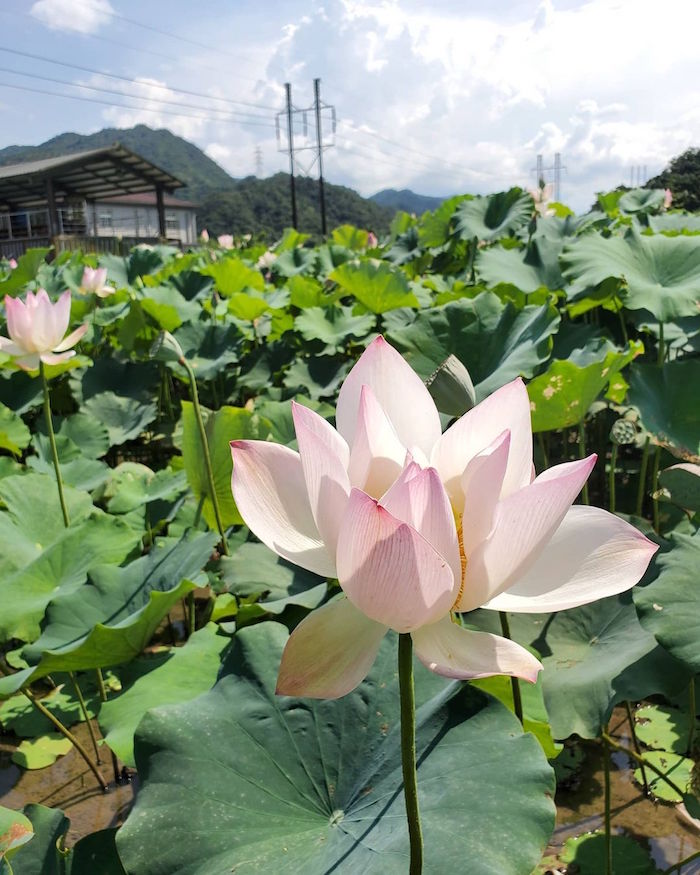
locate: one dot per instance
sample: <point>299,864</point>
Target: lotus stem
<point>692,708</point>
<point>205,450</point>
<point>69,735</point>
<point>608,830</point>
<point>679,865</point>
<point>635,742</point>
<point>618,309</point>
<point>191,614</point>
<point>408,752</point>
<point>662,345</point>
<point>52,441</point>
<point>543,449</point>
<point>655,489</point>
<point>582,455</point>
<point>514,682</point>
<point>642,762</point>
<point>86,716</point>
<point>103,698</point>
<point>611,476</point>
<point>642,476</point>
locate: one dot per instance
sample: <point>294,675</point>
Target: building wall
<point>126,220</point>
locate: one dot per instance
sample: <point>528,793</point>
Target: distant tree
<point>682,176</point>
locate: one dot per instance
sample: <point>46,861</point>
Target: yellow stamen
<point>463,560</point>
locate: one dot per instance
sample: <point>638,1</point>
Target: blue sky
<point>441,98</point>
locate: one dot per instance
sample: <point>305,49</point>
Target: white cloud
<point>81,16</point>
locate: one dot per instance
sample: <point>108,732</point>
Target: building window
<point>171,222</point>
<point>104,220</point>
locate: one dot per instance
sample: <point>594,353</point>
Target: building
<point>102,199</point>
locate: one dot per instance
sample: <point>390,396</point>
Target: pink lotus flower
<point>417,525</point>
<point>225,241</point>
<point>371,240</point>
<point>94,281</point>
<point>204,236</point>
<point>37,330</point>
<point>668,198</point>
<point>12,263</point>
<point>542,196</point>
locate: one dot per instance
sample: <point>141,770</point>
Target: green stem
<point>191,615</point>
<point>679,865</point>
<point>662,346</point>
<point>543,449</point>
<point>514,682</point>
<point>408,751</point>
<point>608,830</point>
<point>205,450</point>
<point>642,477</point>
<point>86,716</point>
<point>611,476</point>
<point>103,698</point>
<point>69,735</point>
<point>618,308</point>
<point>654,489</point>
<point>643,762</point>
<point>582,455</point>
<point>52,441</point>
<point>635,742</point>
<point>692,706</point>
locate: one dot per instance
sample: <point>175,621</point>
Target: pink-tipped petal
<point>377,454</point>
<point>329,653</point>
<point>71,339</point>
<point>481,483</point>
<point>324,459</point>
<point>42,336</point>
<point>523,524</point>
<point>28,362</point>
<point>18,321</point>
<point>270,491</point>
<point>419,499</point>
<point>507,409</point>
<point>52,358</point>
<point>9,347</point>
<point>388,570</point>
<point>60,316</point>
<point>593,554</point>
<point>454,652</point>
<point>400,392</point>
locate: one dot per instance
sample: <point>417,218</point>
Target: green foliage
<point>682,177</point>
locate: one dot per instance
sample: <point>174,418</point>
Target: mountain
<point>264,205</point>
<point>163,148</point>
<point>406,200</point>
<point>227,205</point>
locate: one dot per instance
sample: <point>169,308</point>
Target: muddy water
<point>69,785</point>
<point>658,827</point>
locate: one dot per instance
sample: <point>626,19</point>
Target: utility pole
<point>539,182</point>
<point>258,162</point>
<point>290,141</point>
<point>319,146</point>
<point>557,176</point>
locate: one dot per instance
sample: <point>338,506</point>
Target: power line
<point>43,58</point>
<point>228,115</point>
<point>127,106</point>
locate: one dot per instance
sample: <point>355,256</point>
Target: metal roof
<point>111,171</point>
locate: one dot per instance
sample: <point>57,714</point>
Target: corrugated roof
<point>148,199</point>
<point>95,174</point>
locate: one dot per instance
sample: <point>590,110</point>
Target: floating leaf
<point>40,752</point>
<point>663,728</point>
<point>588,854</point>
<point>327,775</point>
<point>676,768</point>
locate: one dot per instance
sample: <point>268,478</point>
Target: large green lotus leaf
<point>14,434</point>
<point>209,348</point>
<point>27,268</point>
<point>141,260</point>
<point>667,401</point>
<point>594,657</point>
<point>133,485</point>
<point>334,326</point>
<point>530,269</point>
<point>61,565</point>
<point>296,785</point>
<point>662,274</point>
<point>681,485</point>
<point>87,434</point>
<point>294,261</point>
<point>168,307</point>
<point>376,285</point>
<point>350,237</point>
<point>496,341</point>
<point>231,275</point>
<point>562,395</point>
<point>247,306</point>
<point>125,418</point>
<point>111,620</point>
<point>494,216</point>
<point>305,291</point>
<point>641,201</point>
<point>588,854</point>
<point>675,222</point>
<point>318,377</point>
<point>669,607</point>
<point>663,728</point>
<point>179,675</point>
<point>222,426</point>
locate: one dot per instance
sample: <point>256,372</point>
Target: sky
<point>442,98</point>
